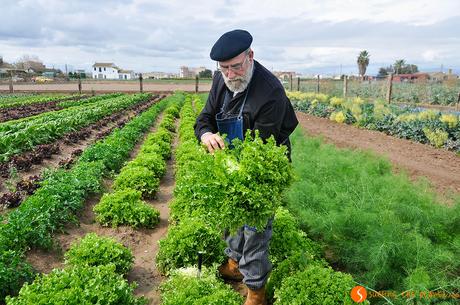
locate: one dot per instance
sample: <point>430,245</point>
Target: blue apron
<point>232,126</point>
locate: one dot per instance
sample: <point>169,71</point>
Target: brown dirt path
<point>105,86</point>
<point>439,166</point>
<point>142,242</point>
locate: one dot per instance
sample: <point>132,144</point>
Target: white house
<point>125,74</point>
<point>105,71</point>
<point>110,71</point>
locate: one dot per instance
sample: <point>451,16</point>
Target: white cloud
<point>303,35</point>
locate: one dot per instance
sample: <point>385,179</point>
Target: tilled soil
<point>14,113</point>
<point>439,166</point>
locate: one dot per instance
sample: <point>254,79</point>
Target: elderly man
<point>245,95</point>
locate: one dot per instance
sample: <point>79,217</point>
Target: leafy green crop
<point>138,178</point>
<point>62,194</point>
<point>168,123</point>
<point>14,271</point>
<point>407,122</point>
<point>16,101</point>
<point>184,288</point>
<point>21,135</point>
<point>153,146</point>
<point>233,187</point>
<point>288,239</point>
<point>180,247</point>
<point>379,226</point>
<point>94,250</point>
<point>173,110</point>
<point>296,262</point>
<point>141,174</point>
<point>153,162</point>
<point>78,285</point>
<point>125,207</point>
<point>316,285</point>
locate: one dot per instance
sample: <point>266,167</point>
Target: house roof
<point>104,64</point>
<point>125,71</point>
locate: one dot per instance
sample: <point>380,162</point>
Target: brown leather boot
<point>256,297</point>
<point>230,271</point>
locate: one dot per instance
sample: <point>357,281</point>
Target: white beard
<point>239,83</point>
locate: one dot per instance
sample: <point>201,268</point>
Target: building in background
<point>125,74</point>
<point>31,66</point>
<point>189,72</point>
<point>410,77</point>
<point>285,75</point>
<point>103,70</point>
<point>159,75</point>
<point>5,68</point>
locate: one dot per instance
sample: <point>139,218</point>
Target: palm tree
<point>363,62</point>
<point>399,65</point>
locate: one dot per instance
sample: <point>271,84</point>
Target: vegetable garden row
<point>60,196</point>
<point>333,210</point>
<point>424,126</point>
<point>227,190</point>
<point>419,92</point>
<point>15,170</point>
<point>23,134</point>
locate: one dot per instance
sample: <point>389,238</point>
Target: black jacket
<point>267,107</point>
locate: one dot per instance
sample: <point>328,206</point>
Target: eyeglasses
<point>235,67</point>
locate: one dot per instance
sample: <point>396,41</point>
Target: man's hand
<point>212,141</point>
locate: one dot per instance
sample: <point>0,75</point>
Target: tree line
<point>399,67</point>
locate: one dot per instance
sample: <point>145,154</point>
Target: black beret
<point>230,45</point>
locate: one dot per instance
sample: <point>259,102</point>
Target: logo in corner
<point>358,294</point>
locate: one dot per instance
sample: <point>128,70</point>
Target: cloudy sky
<point>306,36</point>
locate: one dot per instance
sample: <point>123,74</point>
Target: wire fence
<point>444,92</point>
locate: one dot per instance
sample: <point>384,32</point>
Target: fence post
<point>390,87</point>
<point>458,101</point>
<point>11,82</point>
<point>345,86</point>
<point>79,84</point>
<point>298,83</point>
<point>196,83</point>
<point>141,87</point>
<point>317,84</point>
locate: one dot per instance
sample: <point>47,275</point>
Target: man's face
<point>237,72</point>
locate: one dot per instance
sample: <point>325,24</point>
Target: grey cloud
<point>151,31</point>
